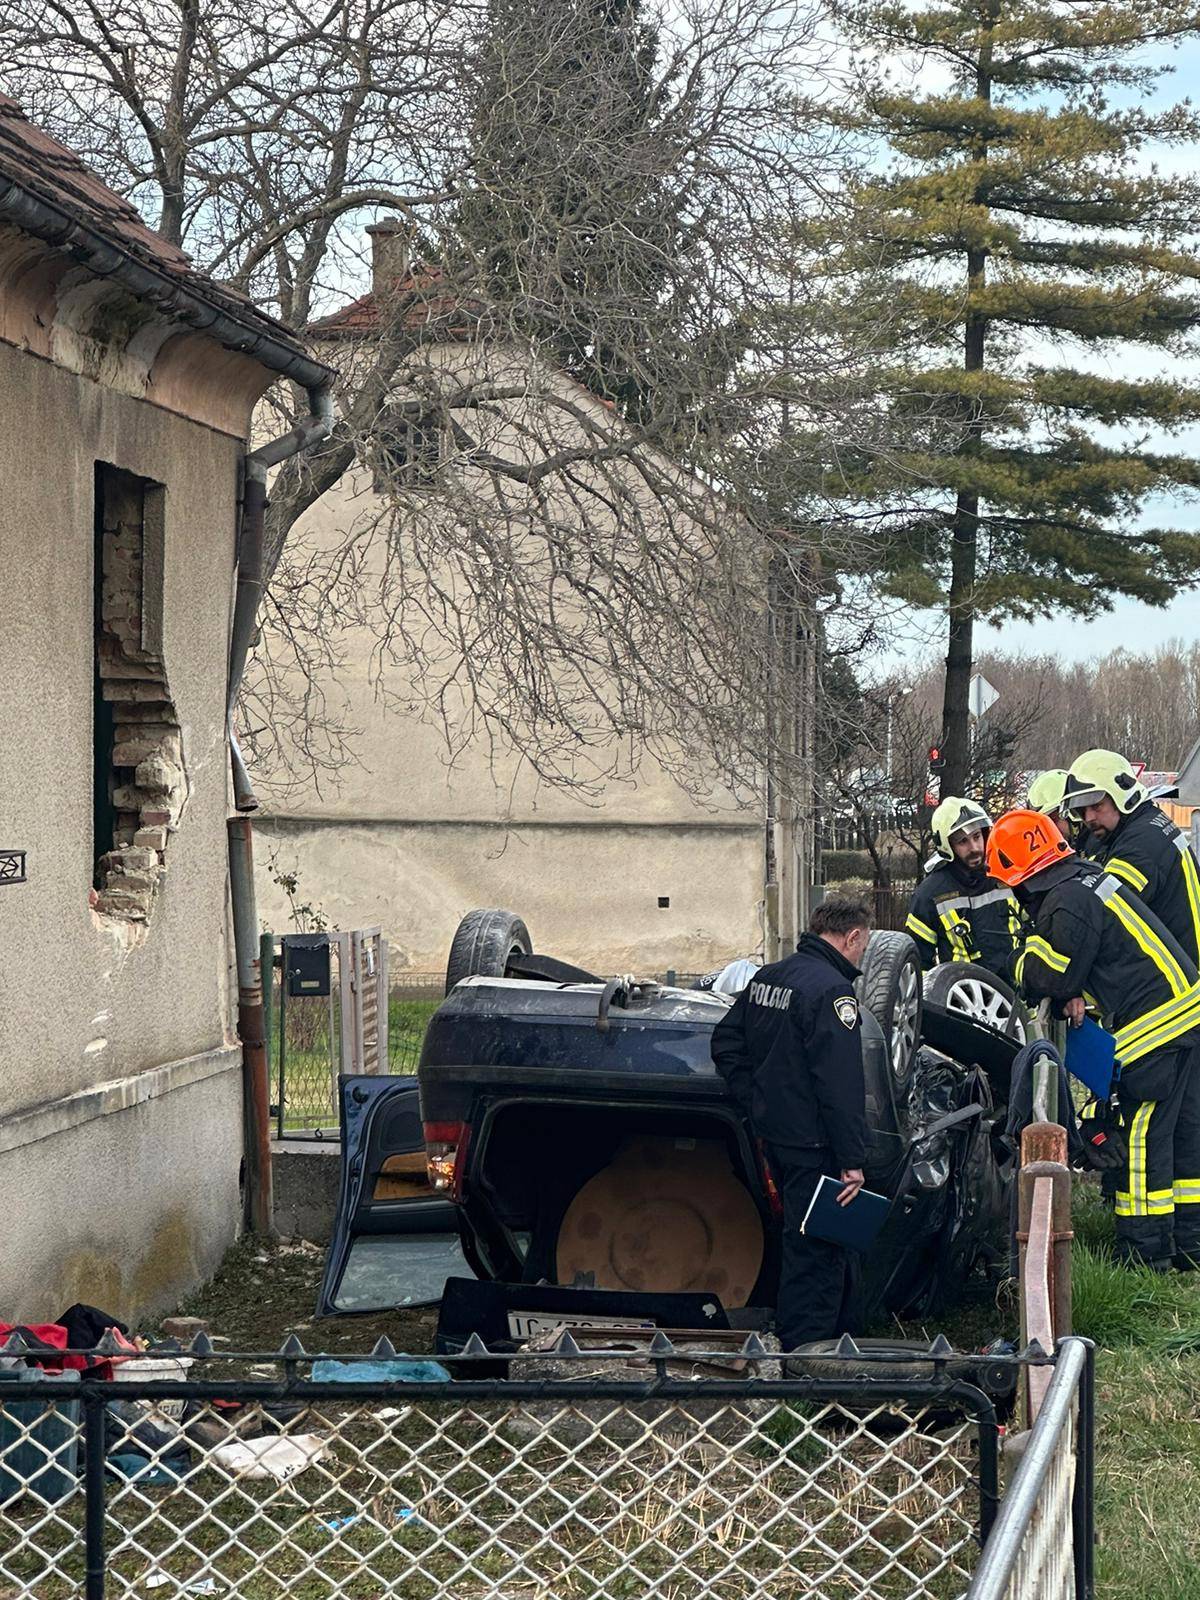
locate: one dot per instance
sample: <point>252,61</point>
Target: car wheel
<point>890,988</point>
<point>484,944</point>
<point>974,992</point>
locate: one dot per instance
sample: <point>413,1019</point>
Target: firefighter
<point>959,913</point>
<point>1095,942</point>
<point>1046,795</point>
<point>790,1051</point>
<point>1131,838</point>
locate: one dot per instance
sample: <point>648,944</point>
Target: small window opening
<point>138,781</point>
<point>408,451</point>
<point>664,902</point>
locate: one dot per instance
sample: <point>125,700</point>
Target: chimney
<point>390,254</point>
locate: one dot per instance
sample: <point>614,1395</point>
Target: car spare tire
<point>890,988</point>
<point>969,990</point>
<point>484,944</point>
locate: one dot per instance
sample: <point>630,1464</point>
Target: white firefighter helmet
<point>1097,773</point>
<point>954,816</point>
<point>1047,790</point>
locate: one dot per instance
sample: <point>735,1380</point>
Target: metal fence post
<point>1083,1505</point>
<point>93,1405</point>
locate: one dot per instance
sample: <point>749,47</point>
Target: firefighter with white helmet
<point>1046,794</point>
<point>1134,841</point>
<point>959,913</point>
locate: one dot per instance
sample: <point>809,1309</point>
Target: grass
<point>309,1099</point>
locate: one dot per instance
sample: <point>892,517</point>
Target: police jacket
<point>1094,937</point>
<point>1149,853</point>
<point>961,915</point>
<point>790,1050</point>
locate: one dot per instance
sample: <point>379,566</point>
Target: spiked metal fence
<point>659,1469</point>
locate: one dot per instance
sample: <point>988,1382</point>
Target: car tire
<point>911,1363</point>
<point>890,989</point>
<point>973,991</point>
<point>484,944</point>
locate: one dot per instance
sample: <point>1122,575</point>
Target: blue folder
<point>1091,1056</point>
<point>855,1225</point>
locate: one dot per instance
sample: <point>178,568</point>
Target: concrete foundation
<point>306,1176</point>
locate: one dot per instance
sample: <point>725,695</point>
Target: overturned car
<point>580,1149</point>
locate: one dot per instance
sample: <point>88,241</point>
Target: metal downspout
<point>258,1201</point>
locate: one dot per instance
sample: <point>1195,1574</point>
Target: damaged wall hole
<point>139,782</point>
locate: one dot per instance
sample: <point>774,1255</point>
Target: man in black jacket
<point>1131,838</point>
<point>1096,944</point>
<point>790,1050</point>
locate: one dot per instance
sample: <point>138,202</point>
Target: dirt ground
<point>264,1292</point>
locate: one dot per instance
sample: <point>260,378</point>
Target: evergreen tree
<point>1027,256</point>
<point>568,206</point>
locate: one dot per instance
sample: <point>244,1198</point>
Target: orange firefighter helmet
<point>1023,843</point>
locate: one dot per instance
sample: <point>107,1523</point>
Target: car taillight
<point>446,1155</point>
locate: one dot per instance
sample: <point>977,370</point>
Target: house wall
<point>407,842</point>
<point>120,1095</point>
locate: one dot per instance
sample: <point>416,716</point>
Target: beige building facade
<point>639,876</point>
<point>124,414</point>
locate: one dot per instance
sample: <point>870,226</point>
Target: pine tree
<point>569,205</point>
<point>1025,255</point>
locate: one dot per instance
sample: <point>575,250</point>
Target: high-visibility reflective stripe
<point>1045,951</point>
<point>1191,878</point>
<point>1148,942</point>
<point>1019,967</point>
<point>921,929</point>
<point>960,950</point>
<point>1127,871</point>
<point>1187,1191</point>
<point>1159,1027</point>
<point>1159,1203</point>
<point>974,902</point>
<point>1134,1201</point>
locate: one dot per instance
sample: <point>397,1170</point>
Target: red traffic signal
<point>937,760</point>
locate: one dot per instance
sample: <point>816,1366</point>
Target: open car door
<point>395,1241</point>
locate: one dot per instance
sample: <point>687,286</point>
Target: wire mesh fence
<point>592,1475</point>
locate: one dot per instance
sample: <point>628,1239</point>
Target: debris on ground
<point>262,1293</point>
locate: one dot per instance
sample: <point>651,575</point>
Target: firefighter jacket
<point>1093,937</point>
<point>1149,853</point>
<point>960,915</point>
<point>790,1051</point>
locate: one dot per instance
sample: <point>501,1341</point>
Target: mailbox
<point>306,964</point>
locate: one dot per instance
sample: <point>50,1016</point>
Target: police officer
<point>959,913</point>
<point>790,1051</point>
<point>1095,941</point>
<point>1131,838</point>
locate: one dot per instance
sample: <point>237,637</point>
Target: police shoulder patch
<point>846,1009</point>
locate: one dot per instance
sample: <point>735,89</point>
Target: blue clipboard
<point>1091,1057</point>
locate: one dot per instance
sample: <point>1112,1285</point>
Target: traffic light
<point>937,761</point>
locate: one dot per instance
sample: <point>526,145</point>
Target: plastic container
<point>39,1441</point>
<point>154,1369</point>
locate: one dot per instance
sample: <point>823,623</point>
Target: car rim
<point>904,1020</point>
<point>982,1003</point>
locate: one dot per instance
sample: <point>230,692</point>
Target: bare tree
<point>585,322</point>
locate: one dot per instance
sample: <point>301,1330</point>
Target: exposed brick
<point>151,838</point>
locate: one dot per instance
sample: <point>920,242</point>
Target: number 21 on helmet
<point>1023,843</point>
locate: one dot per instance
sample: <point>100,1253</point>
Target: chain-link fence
<point>596,1474</point>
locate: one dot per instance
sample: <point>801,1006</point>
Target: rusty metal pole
<point>1045,1261</point>
<point>258,1209</point>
